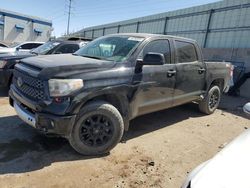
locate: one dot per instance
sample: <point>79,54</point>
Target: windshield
<point>113,48</point>
<point>46,47</point>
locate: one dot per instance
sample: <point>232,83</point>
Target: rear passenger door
<point>190,77</point>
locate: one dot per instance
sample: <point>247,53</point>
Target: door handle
<point>171,73</point>
<point>201,70</point>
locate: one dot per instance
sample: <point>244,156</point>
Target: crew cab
<point>8,61</point>
<point>90,96</point>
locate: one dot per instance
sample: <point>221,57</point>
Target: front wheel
<point>98,129</point>
<point>211,102</point>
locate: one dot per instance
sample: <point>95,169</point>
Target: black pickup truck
<point>90,96</point>
<point>8,61</point>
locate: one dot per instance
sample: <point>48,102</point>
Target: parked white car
<point>228,169</point>
<point>246,108</point>
<point>22,47</point>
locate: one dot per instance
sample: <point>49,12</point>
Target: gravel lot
<point>159,150</point>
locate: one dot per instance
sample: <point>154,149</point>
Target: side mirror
<point>246,108</point>
<point>153,59</point>
<point>18,48</point>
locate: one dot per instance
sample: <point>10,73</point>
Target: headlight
<point>63,87</point>
<point>2,64</point>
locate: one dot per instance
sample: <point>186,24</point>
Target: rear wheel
<point>211,102</point>
<point>98,129</point>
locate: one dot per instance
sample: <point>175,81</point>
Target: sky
<point>86,13</point>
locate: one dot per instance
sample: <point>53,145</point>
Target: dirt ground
<point>159,150</point>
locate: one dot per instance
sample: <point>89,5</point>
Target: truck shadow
<point>158,120</point>
<point>23,149</point>
<point>4,91</point>
<point>234,105</point>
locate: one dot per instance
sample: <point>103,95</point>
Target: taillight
<point>231,69</point>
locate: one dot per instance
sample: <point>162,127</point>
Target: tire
<point>98,128</point>
<point>211,102</point>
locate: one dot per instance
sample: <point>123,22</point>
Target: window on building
<point>19,28</point>
<point>38,31</point>
<point>185,52</point>
<point>38,34</point>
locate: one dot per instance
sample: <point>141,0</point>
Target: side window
<point>67,49</point>
<point>27,46</point>
<point>158,46</point>
<point>35,45</point>
<point>185,52</point>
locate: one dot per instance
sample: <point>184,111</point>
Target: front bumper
<point>5,76</point>
<point>44,122</point>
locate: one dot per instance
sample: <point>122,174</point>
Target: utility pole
<point>69,14</point>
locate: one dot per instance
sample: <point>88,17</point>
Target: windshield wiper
<point>91,57</point>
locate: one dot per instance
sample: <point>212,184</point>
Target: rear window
<point>67,48</point>
<point>185,52</point>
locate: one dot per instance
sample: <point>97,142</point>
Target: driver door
<point>156,88</point>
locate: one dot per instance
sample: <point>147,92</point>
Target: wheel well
<point>219,83</point>
<point>113,100</point>
<point>118,102</point>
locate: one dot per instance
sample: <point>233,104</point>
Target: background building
<point>224,24</point>
<point>222,29</point>
<point>15,27</point>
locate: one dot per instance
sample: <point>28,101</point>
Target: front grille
<point>29,86</point>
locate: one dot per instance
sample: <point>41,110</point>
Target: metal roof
<point>25,17</point>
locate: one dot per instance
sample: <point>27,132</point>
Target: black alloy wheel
<point>214,100</point>
<point>96,130</point>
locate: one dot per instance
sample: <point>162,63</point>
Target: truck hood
<point>229,168</point>
<point>55,65</point>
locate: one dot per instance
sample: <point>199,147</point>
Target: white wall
<point>1,28</point>
<point>12,34</point>
<point>46,32</point>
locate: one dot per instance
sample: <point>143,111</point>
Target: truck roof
<point>149,35</point>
